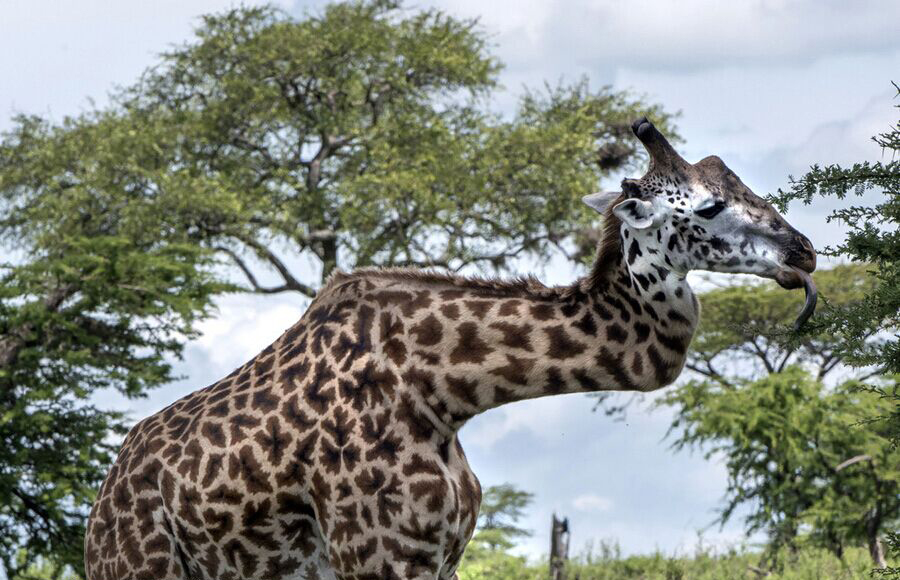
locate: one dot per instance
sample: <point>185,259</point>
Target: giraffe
<point>333,454</point>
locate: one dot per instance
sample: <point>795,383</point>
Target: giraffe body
<point>333,454</point>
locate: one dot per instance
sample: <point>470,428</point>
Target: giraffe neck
<point>625,328</point>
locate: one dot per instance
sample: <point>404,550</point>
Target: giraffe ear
<point>602,200</point>
<point>636,213</point>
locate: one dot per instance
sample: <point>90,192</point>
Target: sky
<point>770,86</point>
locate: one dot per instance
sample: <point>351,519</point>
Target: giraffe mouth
<point>795,277</point>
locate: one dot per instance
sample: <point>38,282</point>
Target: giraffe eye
<point>711,211</point>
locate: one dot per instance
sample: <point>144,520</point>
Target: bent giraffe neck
<point>628,329</point>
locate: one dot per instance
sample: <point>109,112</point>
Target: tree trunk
<point>329,257</point>
<point>876,549</point>
<point>559,548</point>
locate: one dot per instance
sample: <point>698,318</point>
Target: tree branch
<point>762,355</point>
<point>708,372</point>
<point>852,460</point>
<point>290,283</point>
<point>784,361</point>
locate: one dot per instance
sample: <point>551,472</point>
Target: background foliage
<point>99,293</point>
<point>363,136</point>
<point>874,238</point>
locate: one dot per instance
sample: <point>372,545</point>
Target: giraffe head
<point>702,217</point>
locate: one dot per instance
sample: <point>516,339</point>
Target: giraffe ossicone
<point>333,453</point>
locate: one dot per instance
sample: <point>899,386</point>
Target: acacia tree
<point>362,136</point>
<point>742,330</point>
<point>794,459</point>
<point>873,238</point>
<point>487,555</point>
<point>796,455</point>
<point>502,506</point>
<point>98,293</point>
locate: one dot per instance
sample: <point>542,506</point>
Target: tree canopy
<point>743,325</point>
<point>488,553</point>
<point>98,294</point>
<point>501,508</point>
<point>798,459</point>
<point>874,238</point>
<point>362,135</point>
<point>802,463</point>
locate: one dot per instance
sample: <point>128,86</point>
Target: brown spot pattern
<point>561,345</point>
<point>470,347</point>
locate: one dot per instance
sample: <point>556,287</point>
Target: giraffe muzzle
<point>801,253</point>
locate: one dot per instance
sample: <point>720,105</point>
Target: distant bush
<point>808,564</point>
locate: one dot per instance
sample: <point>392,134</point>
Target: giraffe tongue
<point>812,295</point>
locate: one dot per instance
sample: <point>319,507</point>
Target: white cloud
<point>688,34</point>
<point>592,503</point>
<point>745,113</point>
<point>848,140</point>
<point>700,33</point>
<point>54,55</point>
<point>244,325</point>
<point>543,417</point>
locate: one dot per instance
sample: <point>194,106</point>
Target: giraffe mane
<point>517,287</point>
<point>609,249</point>
<point>609,252</point>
